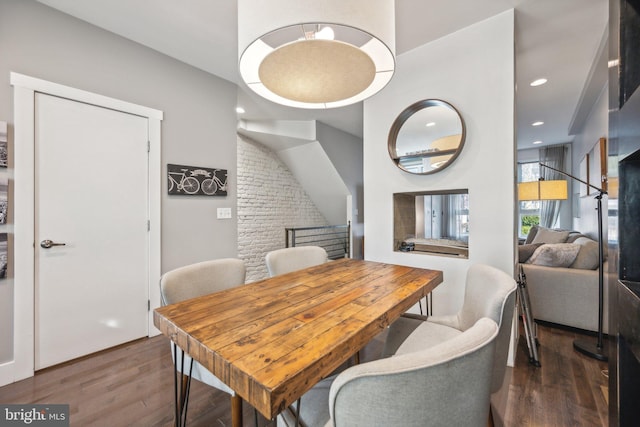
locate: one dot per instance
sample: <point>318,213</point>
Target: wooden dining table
<point>270,341</point>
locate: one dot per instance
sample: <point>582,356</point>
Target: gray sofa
<point>561,269</point>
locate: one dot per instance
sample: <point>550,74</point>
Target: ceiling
<point>556,39</point>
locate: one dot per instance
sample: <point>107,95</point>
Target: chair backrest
<point>447,384</point>
<point>200,279</point>
<point>486,292</point>
<point>490,292</point>
<point>286,260</point>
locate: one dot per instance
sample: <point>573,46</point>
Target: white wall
<point>199,126</point>
<point>596,127</point>
<point>345,152</point>
<point>473,69</point>
<point>313,169</point>
<point>269,199</point>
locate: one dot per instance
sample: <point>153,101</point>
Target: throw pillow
<point>545,235</point>
<point>532,234</point>
<point>555,255</point>
<point>573,236</point>
<point>525,251</point>
<point>587,258</point>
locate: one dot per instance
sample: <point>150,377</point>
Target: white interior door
<point>91,194</point>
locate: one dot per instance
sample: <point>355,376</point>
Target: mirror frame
<point>405,115</point>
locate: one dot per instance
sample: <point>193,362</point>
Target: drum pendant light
<point>316,53</point>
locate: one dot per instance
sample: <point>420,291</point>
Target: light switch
<point>224,213</point>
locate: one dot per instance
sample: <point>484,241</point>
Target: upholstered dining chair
<point>281,261</point>
<point>448,384</point>
<point>489,292</point>
<point>196,280</point>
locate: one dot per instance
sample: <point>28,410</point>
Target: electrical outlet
<point>224,213</point>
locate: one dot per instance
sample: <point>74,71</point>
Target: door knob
<point>50,243</point>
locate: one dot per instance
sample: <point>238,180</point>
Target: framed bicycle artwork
<point>196,181</point>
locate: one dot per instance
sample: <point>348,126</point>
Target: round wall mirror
<point>426,137</point>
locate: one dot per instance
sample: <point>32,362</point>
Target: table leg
<point>236,411</point>
<point>299,405</point>
<point>181,392</point>
<point>428,305</point>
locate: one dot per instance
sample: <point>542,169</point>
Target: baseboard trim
<point>569,328</point>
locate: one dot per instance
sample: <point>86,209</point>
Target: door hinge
<point>148,225</point>
<point>148,146</point>
<point>148,305</point>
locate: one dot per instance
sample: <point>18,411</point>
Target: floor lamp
<point>597,350</point>
<point>535,191</point>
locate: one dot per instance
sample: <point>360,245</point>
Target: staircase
<point>295,143</point>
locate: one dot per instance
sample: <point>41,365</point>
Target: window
<point>529,211</point>
<point>445,216</point>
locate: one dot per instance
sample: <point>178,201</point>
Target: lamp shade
<point>316,53</point>
<point>543,190</point>
<point>528,191</point>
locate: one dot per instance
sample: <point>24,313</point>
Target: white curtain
<point>553,156</point>
<point>453,208</point>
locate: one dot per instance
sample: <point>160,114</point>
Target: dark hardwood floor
<point>132,385</point>
<point>569,389</point>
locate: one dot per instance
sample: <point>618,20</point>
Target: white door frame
<point>25,87</point>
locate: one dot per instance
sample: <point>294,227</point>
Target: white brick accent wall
<point>269,200</point>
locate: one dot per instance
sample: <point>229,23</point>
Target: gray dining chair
<point>281,261</point>
<point>195,280</point>
<point>448,384</point>
<point>489,292</point>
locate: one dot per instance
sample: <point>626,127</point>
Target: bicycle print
<point>194,180</point>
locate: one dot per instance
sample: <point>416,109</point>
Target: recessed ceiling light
<point>537,142</point>
<point>538,123</point>
<point>240,110</point>
<point>430,124</point>
<point>538,82</point>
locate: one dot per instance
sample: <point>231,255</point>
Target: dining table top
<point>272,340</point>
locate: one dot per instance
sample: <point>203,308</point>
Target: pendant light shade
<point>316,53</point>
